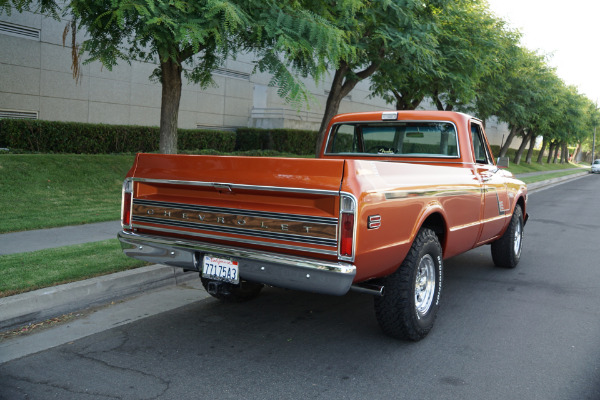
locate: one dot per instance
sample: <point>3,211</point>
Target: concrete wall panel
<point>146,95</point>
<point>187,119</point>
<point>119,72</point>
<point>144,116</point>
<point>26,18</point>
<point>109,91</point>
<point>21,80</point>
<point>141,72</point>
<point>52,32</point>
<point>210,104</point>
<point>239,88</point>
<point>210,120</point>
<point>189,100</point>
<point>59,109</point>
<point>62,85</point>
<point>59,59</point>
<point>22,102</point>
<point>17,51</point>
<point>237,107</point>
<point>108,113</point>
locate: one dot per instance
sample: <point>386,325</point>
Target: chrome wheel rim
<point>518,239</point>
<point>425,285</point>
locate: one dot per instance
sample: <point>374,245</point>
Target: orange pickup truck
<point>390,196</point>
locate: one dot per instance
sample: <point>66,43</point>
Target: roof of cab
<point>402,115</point>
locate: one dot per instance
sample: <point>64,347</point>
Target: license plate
<point>220,269</point>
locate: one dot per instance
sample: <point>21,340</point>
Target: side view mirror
<point>502,162</point>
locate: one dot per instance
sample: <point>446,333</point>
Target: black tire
<point>233,293</point>
<point>412,294</point>
<point>506,251</point>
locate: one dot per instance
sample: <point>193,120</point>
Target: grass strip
<point>524,168</point>
<point>24,272</point>
<point>50,190</point>
<point>543,177</point>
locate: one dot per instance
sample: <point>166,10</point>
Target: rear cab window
<point>402,138</point>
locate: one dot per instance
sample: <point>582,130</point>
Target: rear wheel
<point>506,251</point>
<point>232,293</point>
<point>412,293</point>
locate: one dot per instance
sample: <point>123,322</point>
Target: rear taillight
<point>126,204</point>
<point>347,222</point>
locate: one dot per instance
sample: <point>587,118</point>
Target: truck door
<point>496,207</point>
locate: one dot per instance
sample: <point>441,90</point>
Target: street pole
<point>594,140</point>
<point>594,144</point>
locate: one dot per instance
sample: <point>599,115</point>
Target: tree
<point>528,91</point>
<point>381,31</point>
<point>470,44</point>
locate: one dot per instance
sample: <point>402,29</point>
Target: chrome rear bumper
<point>274,269</point>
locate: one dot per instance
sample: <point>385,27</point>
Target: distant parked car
<point>595,166</point>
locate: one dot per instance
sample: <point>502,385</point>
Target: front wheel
<point>506,251</point>
<point>412,293</point>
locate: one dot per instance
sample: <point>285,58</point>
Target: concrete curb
<point>535,186</point>
<point>42,304</point>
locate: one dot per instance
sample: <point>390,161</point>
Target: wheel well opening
<point>521,202</point>
<point>436,223</point>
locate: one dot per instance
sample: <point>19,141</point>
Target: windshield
<point>412,139</point>
<point>597,162</point>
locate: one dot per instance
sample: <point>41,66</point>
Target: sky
<point>569,30</point>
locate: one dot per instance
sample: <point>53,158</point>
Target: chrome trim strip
<point>239,231</point>
<point>239,186</point>
<point>433,192</point>
<point>480,222</point>
<point>239,212</point>
<point>238,240</point>
<point>285,271</point>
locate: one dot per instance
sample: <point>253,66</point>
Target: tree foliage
<point>381,31</point>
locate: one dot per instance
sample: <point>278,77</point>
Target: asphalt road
<point>528,333</point>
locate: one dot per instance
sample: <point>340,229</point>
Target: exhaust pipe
<point>368,288</point>
<point>216,288</point>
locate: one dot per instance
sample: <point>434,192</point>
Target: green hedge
<point>82,138</point>
<point>293,141</point>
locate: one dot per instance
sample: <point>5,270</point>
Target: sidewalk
<point>21,242</point>
<point>41,304</point>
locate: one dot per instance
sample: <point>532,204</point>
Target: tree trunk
<point>564,159</point>
<point>531,146</point>
<point>340,87</point>
<point>550,151</point>
<point>541,155</point>
<point>555,156</point>
<point>403,102</point>
<point>517,159</point>
<point>576,153</point>
<point>169,109</point>
<point>438,103</point>
<point>509,139</point>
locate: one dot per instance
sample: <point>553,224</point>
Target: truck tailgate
<point>287,204</point>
